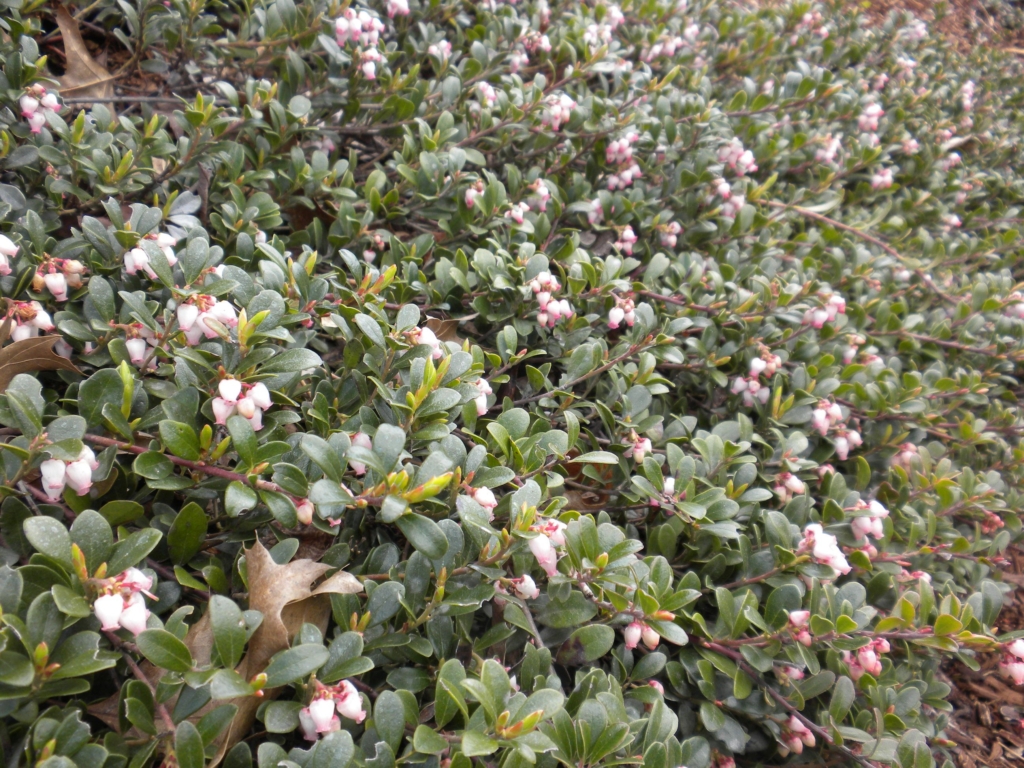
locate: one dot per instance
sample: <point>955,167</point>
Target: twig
<point>782,700</point>
<point>125,649</point>
<point>864,236</point>
<point>600,369</point>
<point>195,466</point>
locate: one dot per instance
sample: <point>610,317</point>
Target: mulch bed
<point>987,723</point>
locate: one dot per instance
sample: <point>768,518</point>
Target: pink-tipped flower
<point>321,712</point>
<point>650,637</point>
<point>544,551</point>
<point>78,475</point>
<point>632,634</point>
<point>348,702</point>
<point>304,511</point>
<point>222,409</point>
<point>54,474</point>
<point>525,587</point>
<point>229,390</point>
<point>134,616</point>
<point>108,609</point>
<point>360,440</point>
<point>485,498</point>
<point>799,619</point>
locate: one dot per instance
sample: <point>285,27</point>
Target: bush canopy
<point>501,383</point>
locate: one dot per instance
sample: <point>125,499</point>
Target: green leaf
<point>180,439</point>
<point>243,438</point>
<point>595,457</point>
<point>188,746</point>
<point>187,533</point>
<point>427,741</point>
<point>228,630</point>
<point>389,718</point>
<point>294,664</point>
<point>131,551</point>
<point>239,498</point>
<point>292,361</point>
<point>164,650</point>
<point>103,387</point>
<point>121,512</point>
<point>49,537</point>
<point>586,644</point>
<point>843,695</point>
<point>475,744</point>
<point>424,534</point>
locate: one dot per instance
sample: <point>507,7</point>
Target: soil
<point>987,723</point>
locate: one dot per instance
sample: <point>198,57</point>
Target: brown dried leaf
<point>29,356</point>
<point>83,77</point>
<point>283,594</point>
<point>445,330</point>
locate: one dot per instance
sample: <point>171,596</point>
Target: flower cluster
<point>835,305</point>
<point>882,179</point>
<point>137,260</point>
<point>483,390</point>
<point>551,309</point>
<point>788,485</point>
<point>29,318</point>
<point>523,587</point>
<point>636,631</point>
<point>668,235</point>
<point>541,195</point>
<point>120,604</point>
<point>795,736</point>
<point>57,276</point>
<point>200,315</point>
<point>627,239</point>
<point>824,549</point>
<point>866,659</point>
<point>750,386</point>
<point>76,474</point>
<point>736,158</point>
<point>869,523</point>
<point>363,30</point>
<point>231,400</point>
<point>35,105</point>
<point>624,311</point>
<point>321,716</point>
<point>558,110</point>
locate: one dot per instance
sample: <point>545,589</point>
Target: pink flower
<point>78,476</point>
<point>348,702</point>
<point>222,410</point>
<point>321,711</point>
<point>137,349</point>
<point>304,511</point>
<point>650,637</point>
<point>799,619</point>
<point>525,587</point>
<point>137,259</point>
<point>134,616</point>
<point>485,498</point>
<point>54,476</point>
<point>360,440</point>
<point>57,284</point>
<point>305,719</point>
<point>1015,648</point>
<point>108,609</point>
<point>544,551</point>
<point>632,634</point>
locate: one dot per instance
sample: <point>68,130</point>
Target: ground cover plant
<point>501,383</point>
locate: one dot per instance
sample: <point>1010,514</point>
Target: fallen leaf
<point>30,355</point>
<point>84,77</point>
<point>287,600</point>
<point>445,330</point>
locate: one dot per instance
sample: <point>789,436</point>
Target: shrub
<point>502,383</point>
